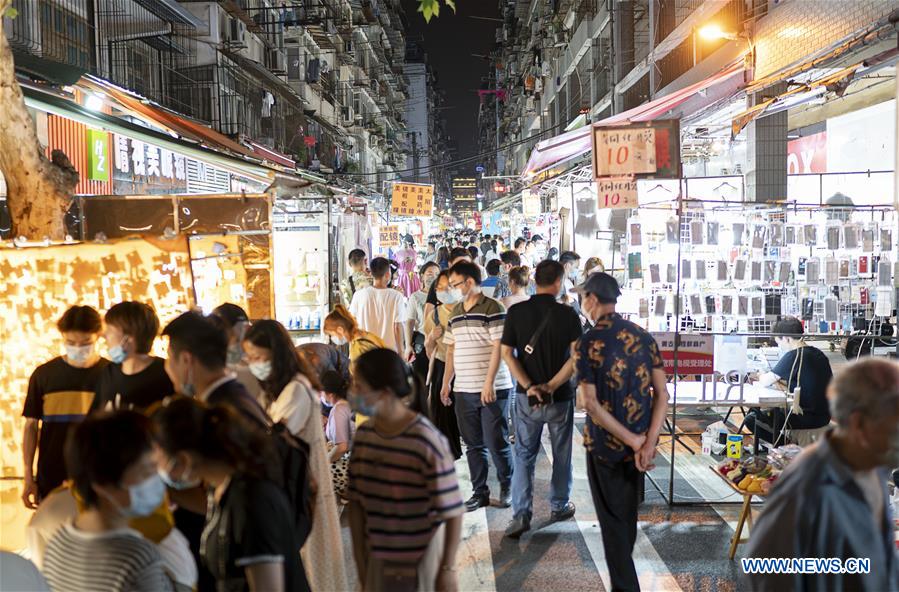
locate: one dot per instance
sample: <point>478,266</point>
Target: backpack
<point>292,473</point>
<point>296,479</point>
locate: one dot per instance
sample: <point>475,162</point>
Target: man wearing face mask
<point>832,500</point>
<point>135,379</point>
<point>622,386</point>
<point>196,363</point>
<point>805,372</point>
<point>59,395</point>
<point>109,458</point>
<point>482,383</point>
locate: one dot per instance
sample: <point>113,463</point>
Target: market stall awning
<point>576,143</point>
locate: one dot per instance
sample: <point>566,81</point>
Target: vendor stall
<point>40,283</point>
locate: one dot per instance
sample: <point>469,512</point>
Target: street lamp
<point>714,32</point>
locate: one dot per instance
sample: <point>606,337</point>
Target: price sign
<point>410,199</point>
<point>389,236</point>
<point>623,151</point>
<point>616,192</point>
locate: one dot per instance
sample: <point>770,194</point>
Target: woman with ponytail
<point>405,503</point>
<point>248,542</point>
<point>291,394</point>
<point>340,325</point>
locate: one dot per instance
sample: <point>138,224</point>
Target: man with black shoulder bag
<point>536,346</point>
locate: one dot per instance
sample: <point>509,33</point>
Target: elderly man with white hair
<point>832,501</point>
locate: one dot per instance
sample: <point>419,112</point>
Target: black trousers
<point>616,492</point>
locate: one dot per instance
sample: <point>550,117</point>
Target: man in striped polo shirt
<point>482,383</point>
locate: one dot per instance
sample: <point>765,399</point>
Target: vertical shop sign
<point>98,151</point>
<point>530,203</point>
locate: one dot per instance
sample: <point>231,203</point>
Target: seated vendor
<point>805,372</point>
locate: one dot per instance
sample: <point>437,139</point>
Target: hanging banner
<point>616,193</point>
<point>695,353</point>
<point>389,236</point>
<point>623,151</point>
<point>412,199</point>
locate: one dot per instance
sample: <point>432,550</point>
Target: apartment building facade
<point>319,82</point>
<point>564,63</point>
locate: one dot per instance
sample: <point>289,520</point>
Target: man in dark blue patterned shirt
<point>621,384</point>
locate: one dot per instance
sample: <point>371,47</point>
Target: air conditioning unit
<point>237,33</point>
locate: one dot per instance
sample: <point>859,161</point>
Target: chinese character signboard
<point>616,192</point>
<point>647,149</point>
<point>139,167</point>
<point>411,199</point>
<point>98,154</point>
<point>530,203</point>
<point>389,236</point>
<point>623,151</point>
<point>695,353</point>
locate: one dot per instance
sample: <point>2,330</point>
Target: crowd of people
<point>226,465</point>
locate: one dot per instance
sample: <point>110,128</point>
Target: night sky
<point>449,41</point>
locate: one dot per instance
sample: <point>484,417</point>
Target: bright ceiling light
<point>93,102</point>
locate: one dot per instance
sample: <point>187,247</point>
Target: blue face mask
<point>117,354</point>
<point>145,497</point>
<point>357,402</point>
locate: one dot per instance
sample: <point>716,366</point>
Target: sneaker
<point>563,514</point>
<point>476,502</point>
<point>505,498</point>
<point>518,526</point>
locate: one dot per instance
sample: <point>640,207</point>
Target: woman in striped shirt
<point>405,503</point>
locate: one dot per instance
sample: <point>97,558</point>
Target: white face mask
<point>457,294</point>
<point>79,354</point>
<point>261,370</point>
<point>447,297</point>
<point>338,340</point>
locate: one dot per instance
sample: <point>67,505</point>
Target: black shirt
<point>553,347</point>
<point>137,391</point>
<point>813,382</point>
<point>59,395</point>
<point>235,395</point>
<point>251,524</point>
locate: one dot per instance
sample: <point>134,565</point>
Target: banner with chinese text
<point>389,236</point>
<point>695,353</point>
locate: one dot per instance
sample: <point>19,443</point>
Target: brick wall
<point>796,29</point>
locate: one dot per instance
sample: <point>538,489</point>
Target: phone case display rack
<point>696,267</point>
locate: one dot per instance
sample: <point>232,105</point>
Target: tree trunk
<point>38,190</point>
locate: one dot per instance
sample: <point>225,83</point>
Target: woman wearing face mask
<point>519,280</point>
<point>341,327</point>
<point>135,379</point>
<point>415,339</point>
<point>248,543</point>
<point>405,504</point>
<point>109,457</point>
<point>435,327</point>
<point>291,393</point>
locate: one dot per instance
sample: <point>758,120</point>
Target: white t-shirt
<point>377,310</point>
